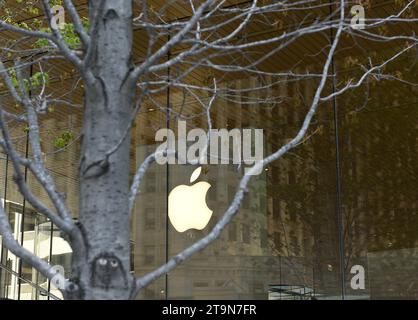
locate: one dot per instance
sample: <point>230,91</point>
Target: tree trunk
<point>103,270</point>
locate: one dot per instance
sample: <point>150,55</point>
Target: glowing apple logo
<point>187,207</point>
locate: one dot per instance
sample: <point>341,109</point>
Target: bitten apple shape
<point>187,208</point>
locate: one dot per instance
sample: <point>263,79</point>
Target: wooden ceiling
<point>305,53</point>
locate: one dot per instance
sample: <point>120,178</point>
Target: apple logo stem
<point>187,208</point>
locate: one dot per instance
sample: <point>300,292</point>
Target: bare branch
<point>78,25</point>
<point>17,161</point>
<point>58,39</point>
<point>26,32</point>
<point>10,242</point>
<point>138,71</point>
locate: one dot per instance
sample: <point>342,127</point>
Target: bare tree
<point>212,38</point>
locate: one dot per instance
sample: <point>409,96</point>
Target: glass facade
<point>340,207</point>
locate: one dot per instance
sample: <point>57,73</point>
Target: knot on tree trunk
<point>110,14</point>
<point>107,272</point>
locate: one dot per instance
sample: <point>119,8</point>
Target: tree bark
<point>103,270</point>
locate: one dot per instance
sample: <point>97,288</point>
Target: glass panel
<point>61,257</point>
<point>283,242</point>
<point>149,217</point>
<point>3,171</point>
<point>12,262</point>
<point>42,249</point>
<point>379,183</point>
<point>31,229</point>
<point>13,205</point>
<point>26,290</point>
